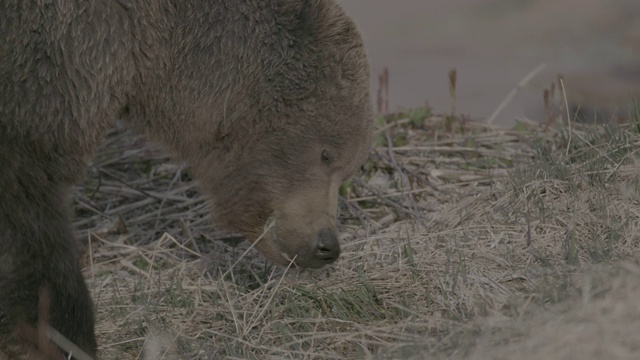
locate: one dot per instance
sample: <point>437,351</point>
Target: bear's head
<point>297,124</point>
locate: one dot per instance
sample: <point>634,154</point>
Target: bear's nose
<point>327,246</point>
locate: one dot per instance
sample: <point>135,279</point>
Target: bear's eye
<point>326,157</point>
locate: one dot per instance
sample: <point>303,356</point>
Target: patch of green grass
<point>361,304</point>
<point>419,115</point>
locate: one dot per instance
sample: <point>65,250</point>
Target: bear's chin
<point>270,249</point>
<point>296,262</point>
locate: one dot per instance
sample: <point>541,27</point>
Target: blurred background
<point>494,44</point>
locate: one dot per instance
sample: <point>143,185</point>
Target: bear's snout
<point>327,246</point>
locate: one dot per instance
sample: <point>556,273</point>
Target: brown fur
<point>267,100</point>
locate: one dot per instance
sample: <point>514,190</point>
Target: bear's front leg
<point>39,255</point>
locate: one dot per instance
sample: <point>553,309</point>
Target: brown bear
<point>268,101</point>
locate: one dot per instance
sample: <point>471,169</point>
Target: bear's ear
<point>323,20</point>
<point>299,15</point>
<point>310,18</point>
<point>295,7</point>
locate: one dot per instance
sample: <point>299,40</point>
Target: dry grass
<point>461,240</point>
<point>600,319</point>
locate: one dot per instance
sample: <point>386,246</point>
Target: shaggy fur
<point>267,100</point>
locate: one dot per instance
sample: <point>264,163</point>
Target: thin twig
<point>514,91</point>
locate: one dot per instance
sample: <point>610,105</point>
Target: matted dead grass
<point>600,319</point>
<point>455,235</point>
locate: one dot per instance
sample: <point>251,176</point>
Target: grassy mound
<point>460,240</point>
